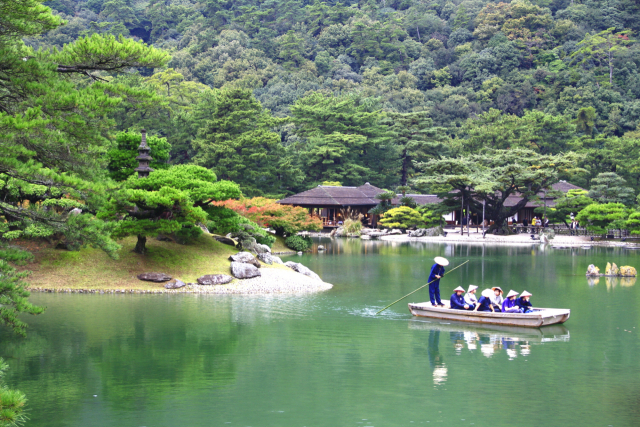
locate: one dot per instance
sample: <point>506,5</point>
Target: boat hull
<point>540,317</point>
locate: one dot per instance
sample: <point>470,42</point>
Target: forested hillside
<point>359,91</point>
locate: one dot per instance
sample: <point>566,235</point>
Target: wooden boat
<point>539,317</point>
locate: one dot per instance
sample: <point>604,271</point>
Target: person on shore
<point>525,222</point>
<point>533,221</point>
<point>496,299</point>
<point>524,302</point>
<point>470,297</point>
<point>437,271</point>
<point>545,222</point>
<point>484,303</point>
<point>457,300</point>
<point>509,304</point>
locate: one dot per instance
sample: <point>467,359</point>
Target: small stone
<point>226,240</point>
<point>245,257</point>
<point>243,270</point>
<point>320,247</point>
<point>154,277</point>
<point>175,284</point>
<point>300,253</point>
<point>214,279</point>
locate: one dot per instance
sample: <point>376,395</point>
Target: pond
<point>327,360</point>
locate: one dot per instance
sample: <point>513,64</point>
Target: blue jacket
<point>484,304</point>
<point>508,303</point>
<point>523,304</point>
<point>457,302</point>
<point>436,270</point>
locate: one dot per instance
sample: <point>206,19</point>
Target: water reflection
<point>489,339</point>
<point>612,282</point>
<point>438,367</point>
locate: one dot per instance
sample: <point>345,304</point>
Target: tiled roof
<point>324,195</point>
<point>335,196</point>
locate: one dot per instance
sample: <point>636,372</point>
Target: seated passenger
<point>496,299</point>
<point>524,303</point>
<point>457,301</point>
<point>484,303</point>
<point>509,304</point>
<point>470,296</point>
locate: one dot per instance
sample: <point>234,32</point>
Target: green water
<point>326,360</point>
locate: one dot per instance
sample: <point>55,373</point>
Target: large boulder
<point>214,279</point>
<point>241,270</point>
<point>608,271</point>
<point>262,249</point>
<point>267,258</point>
<point>295,266</point>
<point>592,270</point>
<point>154,277</point>
<point>628,271</point>
<point>395,231</point>
<point>245,257</point>
<point>175,284</point>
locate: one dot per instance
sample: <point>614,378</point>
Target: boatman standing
<point>437,271</point>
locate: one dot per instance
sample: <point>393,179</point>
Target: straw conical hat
<point>459,288</point>
<point>498,288</point>
<point>472,288</point>
<point>525,294</point>
<point>512,293</point>
<point>442,261</point>
<point>487,293</point>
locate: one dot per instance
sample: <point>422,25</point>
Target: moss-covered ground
<point>93,269</point>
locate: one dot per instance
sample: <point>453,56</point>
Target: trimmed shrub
<point>402,217</point>
<point>352,226</point>
<point>298,243</point>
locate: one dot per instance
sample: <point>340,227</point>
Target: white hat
<point>442,261</point>
<point>459,288</point>
<point>472,288</point>
<point>487,293</point>
<point>525,294</point>
<point>512,293</point>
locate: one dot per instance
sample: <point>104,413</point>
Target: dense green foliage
<point>168,201</point>
<point>401,217</point>
<point>601,217</point>
<point>12,402</point>
<point>298,243</point>
<point>369,88</point>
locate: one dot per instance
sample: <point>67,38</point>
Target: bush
<point>298,243</point>
<point>430,216</point>
<point>402,217</point>
<point>352,226</point>
<point>187,234</point>
<point>224,221</point>
<point>283,219</point>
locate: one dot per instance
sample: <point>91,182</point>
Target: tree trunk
<point>405,167</point>
<point>141,247</point>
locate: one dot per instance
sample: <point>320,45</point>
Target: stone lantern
<point>143,157</point>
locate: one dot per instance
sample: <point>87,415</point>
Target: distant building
<point>330,203</point>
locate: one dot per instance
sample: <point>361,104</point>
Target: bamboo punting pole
<point>378,312</point>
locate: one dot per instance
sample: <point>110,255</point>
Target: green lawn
<point>93,269</point>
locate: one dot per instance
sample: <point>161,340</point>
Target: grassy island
<point>92,269</point>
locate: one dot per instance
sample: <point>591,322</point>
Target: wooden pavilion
<point>332,202</point>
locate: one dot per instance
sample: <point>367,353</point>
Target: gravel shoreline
<point>272,281</point>
<point>517,239</point>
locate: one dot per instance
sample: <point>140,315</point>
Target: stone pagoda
<point>143,157</point>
